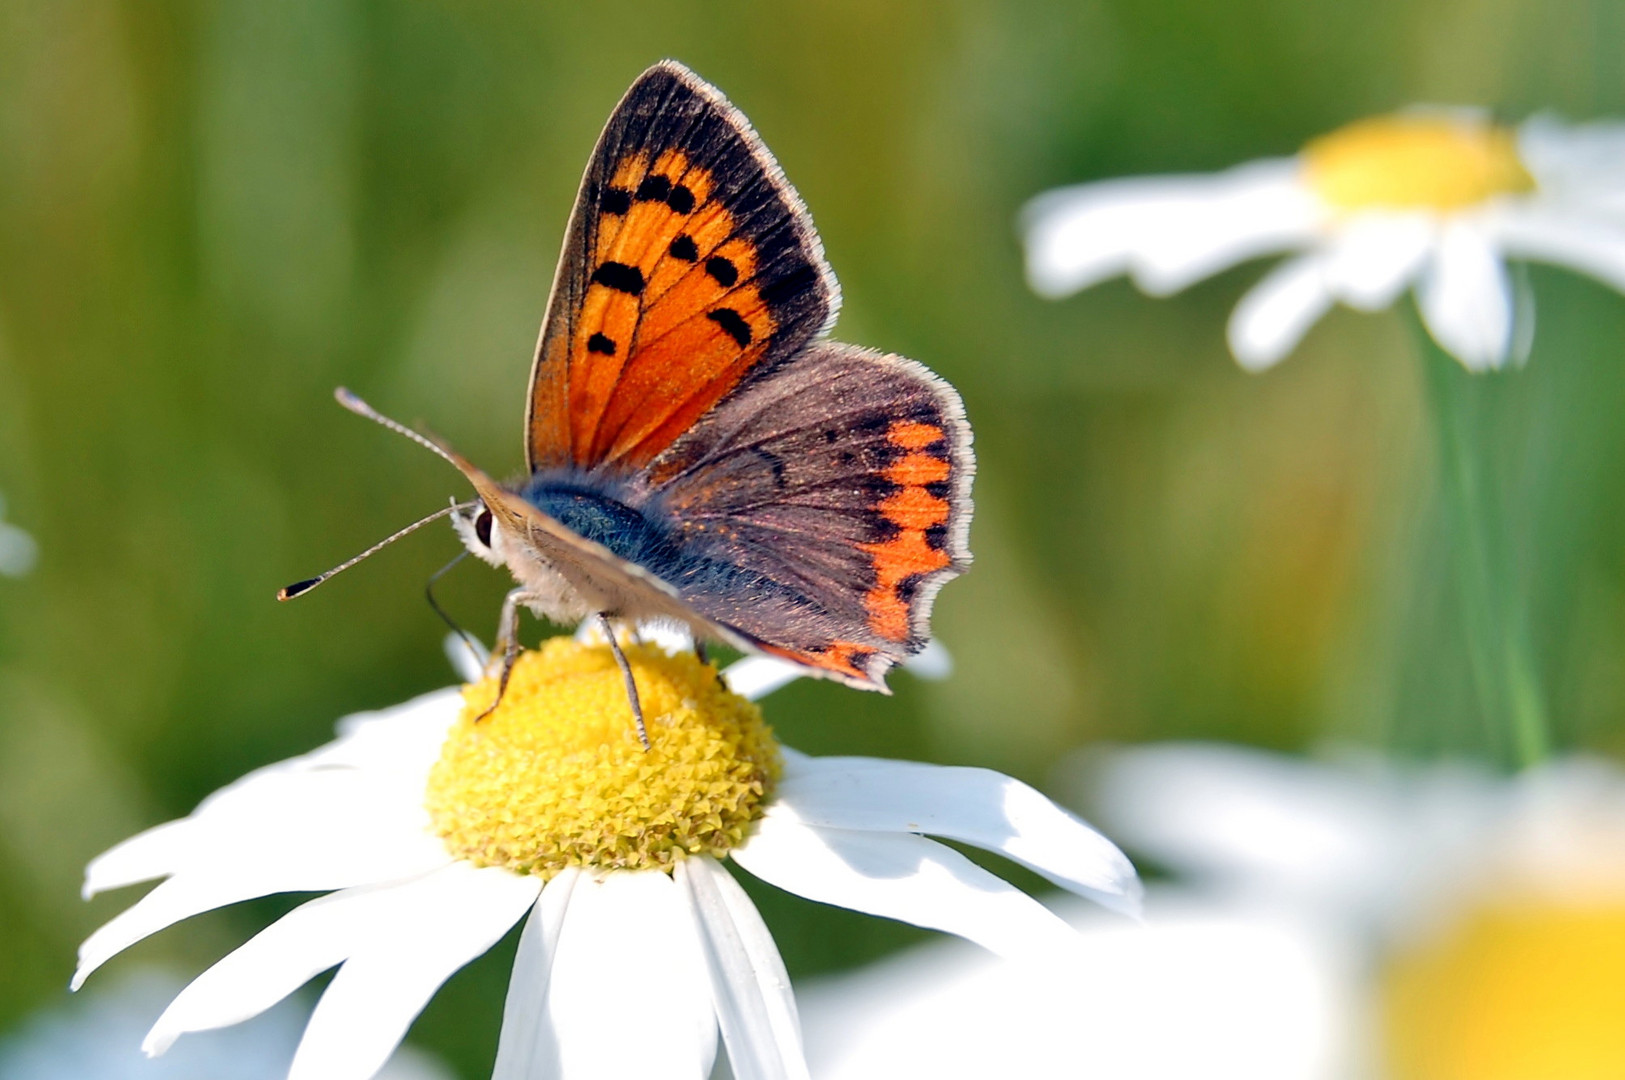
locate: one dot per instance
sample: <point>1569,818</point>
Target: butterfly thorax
<point>607,511</point>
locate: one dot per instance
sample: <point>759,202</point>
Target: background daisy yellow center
<point>1518,991</point>
<point>1414,162</point>
<point>556,777</point>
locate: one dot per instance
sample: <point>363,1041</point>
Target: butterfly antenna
<point>299,588</point>
<point>361,408</point>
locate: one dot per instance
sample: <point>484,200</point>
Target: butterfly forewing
<point>690,269</point>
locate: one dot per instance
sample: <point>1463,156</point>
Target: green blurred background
<point>212,213</point>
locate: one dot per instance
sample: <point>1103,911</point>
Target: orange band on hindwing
<point>918,510</point>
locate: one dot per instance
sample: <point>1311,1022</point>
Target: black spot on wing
<point>878,488</point>
<point>667,111</point>
<point>882,528</point>
<point>616,200</point>
<point>936,537</point>
<point>722,270</point>
<point>732,322</point>
<point>684,248</point>
<point>872,424</point>
<point>620,277</point>
<point>598,343</point>
<point>939,489</point>
<point>655,188</point>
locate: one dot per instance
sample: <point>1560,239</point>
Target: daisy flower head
<point>1431,199</point>
<point>433,832</point>
<point>1489,910</point>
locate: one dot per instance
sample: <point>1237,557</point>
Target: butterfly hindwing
<point>839,490</point>
<point>690,268</point>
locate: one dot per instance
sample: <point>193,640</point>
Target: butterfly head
<point>478,529</point>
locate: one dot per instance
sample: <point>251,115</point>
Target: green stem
<point>1492,607</point>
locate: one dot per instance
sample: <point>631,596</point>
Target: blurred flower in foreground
<point>438,834</point>
<point>1436,198</point>
<point>1201,990</point>
<point>1492,910</point>
<point>96,1038</point>
<point>18,551</point>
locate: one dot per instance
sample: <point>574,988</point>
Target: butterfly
<point>697,451</point>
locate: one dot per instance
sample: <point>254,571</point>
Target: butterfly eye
<point>482,527</point>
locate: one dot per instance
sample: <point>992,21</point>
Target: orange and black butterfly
<point>698,451</point>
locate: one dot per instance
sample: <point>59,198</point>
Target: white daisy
<point>1358,920</point>
<point>1433,199</point>
<point>1490,910</point>
<point>436,834</point>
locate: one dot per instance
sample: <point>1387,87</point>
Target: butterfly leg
<point>702,653</point>
<point>506,652</point>
<point>626,674</point>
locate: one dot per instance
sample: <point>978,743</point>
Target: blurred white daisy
<point>1438,199</point>
<point>97,1037</point>
<point>1490,910</point>
<point>436,834</point>
<point>1220,992</point>
<point>18,551</point>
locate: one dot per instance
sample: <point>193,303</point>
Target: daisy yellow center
<point>556,777</point>
<point>1414,163</point>
<point>1526,991</point>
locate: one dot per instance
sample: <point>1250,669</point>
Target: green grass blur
<point>212,213</point>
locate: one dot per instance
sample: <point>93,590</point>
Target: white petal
<point>630,997</point>
<point>755,677</point>
<point>1199,993</point>
<point>349,826</point>
<point>933,662</point>
<point>403,737</point>
<point>186,895</point>
<point>1374,256</point>
<point>1357,841</point>
<point>1466,297</point>
<point>905,877</point>
<point>303,860</point>
<point>454,915</point>
<point>1592,247</point>
<point>749,986</point>
<point>1578,165</point>
<point>1275,314</point>
<point>150,854</point>
<point>976,806</point>
<point>468,657</point>
<point>528,1046</point>
<point>281,958</point>
<point>1167,231</point>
